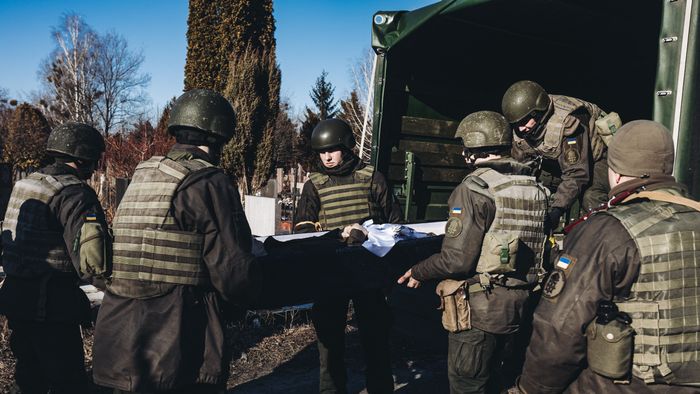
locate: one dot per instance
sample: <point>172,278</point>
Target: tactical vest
<point>345,201</point>
<point>30,247</point>
<point>148,245</point>
<point>561,125</point>
<point>516,240</point>
<point>664,302</point>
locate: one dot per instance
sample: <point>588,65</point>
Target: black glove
<point>551,219</point>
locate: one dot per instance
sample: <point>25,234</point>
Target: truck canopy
<point>441,62</point>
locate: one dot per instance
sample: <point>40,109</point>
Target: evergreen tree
<point>219,30</point>
<point>352,112</point>
<point>303,152</point>
<point>204,66</point>
<point>253,88</point>
<point>325,108</point>
<point>284,138</point>
<point>322,96</point>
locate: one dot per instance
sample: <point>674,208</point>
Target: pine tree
<point>302,150</point>
<point>352,112</point>
<point>322,96</point>
<point>325,108</point>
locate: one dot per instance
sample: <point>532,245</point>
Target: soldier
<point>181,262</point>
<point>342,192</point>
<point>54,228</point>
<point>636,261</point>
<point>491,255</point>
<point>562,131</point>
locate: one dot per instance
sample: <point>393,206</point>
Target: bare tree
<point>119,81</point>
<point>92,78</point>
<point>68,72</point>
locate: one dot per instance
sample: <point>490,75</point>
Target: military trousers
<point>474,361</point>
<point>373,315</point>
<point>49,357</point>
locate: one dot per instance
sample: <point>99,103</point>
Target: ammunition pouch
<point>498,253</point>
<point>605,127</point>
<point>454,303</point>
<point>610,348</point>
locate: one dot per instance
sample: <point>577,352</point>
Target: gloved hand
<point>354,234</point>
<point>551,219</point>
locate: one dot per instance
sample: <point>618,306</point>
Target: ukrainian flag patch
<point>90,217</point>
<point>564,262</point>
<point>571,140</point>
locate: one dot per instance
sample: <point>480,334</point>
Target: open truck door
<point>441,62</point>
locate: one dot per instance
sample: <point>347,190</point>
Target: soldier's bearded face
<point>331,159</point>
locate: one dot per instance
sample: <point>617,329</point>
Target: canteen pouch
<point>499,253</point>
<point>454,303</point>
<point>610,348</point>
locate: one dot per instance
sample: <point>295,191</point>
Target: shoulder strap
<point>665,197</point>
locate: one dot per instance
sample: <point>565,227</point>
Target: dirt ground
<point>276,353</point>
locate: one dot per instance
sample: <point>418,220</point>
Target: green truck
<point>441,62</point>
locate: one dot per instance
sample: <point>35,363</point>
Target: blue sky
<point>312,35</point>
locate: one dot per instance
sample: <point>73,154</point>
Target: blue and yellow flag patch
<point>90,217</point>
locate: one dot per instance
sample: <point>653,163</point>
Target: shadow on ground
<point>417,367</point>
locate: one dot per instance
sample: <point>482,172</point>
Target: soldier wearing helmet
<point>182,262</point>
<point>491,257</point>
<point>54,235</point>
<point>619,313</point>
<point>562,131</point>
<point>341,192</point>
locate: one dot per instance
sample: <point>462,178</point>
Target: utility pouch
<point>607,125</point>
<point>610,348</point>
<point>454,303</point>
<point>499,253</point>
<point>95,250</point>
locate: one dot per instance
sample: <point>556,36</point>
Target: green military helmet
<point>484,129</point>
<point>76,140</point>
<point>332,133</point>
<point>203,110</point>
<point>524,98</point>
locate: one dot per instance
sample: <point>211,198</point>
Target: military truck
<point>441,62</point>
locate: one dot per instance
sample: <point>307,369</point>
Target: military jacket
<point>163,342</point>
<point>601,260</point>
<point>566,147</point>
<point>472,214</point>
<point>53,295</point>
